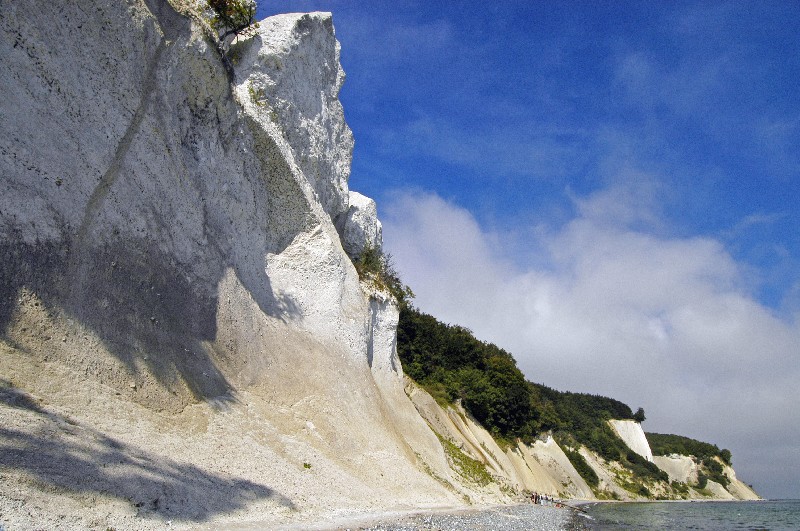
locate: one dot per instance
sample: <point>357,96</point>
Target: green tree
<point>639,415</point>
<point>666,444</point>
<point>725,455</point>
<point>232,17</point>
<point>483,376</point>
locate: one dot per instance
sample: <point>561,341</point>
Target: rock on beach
<point>508,518</point>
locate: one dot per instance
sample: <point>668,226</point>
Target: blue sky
<point>607,189</point>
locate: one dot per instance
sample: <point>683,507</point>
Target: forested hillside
<point>451,364</point>
<point>666,444</point>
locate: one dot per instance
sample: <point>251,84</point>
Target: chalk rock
<point>681,468</point>
<point>631,432</point>
<point>290,73</point>
<point>362,228</point>
<point>739,489</point>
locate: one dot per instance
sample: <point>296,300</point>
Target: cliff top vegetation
<point>374,266</point>
<point>232,17</point>
<point>666,444</point>
<point>451,364</point>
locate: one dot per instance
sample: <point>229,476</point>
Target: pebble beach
<point>509,518</point>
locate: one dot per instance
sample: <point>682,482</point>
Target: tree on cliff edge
<point>232,17</point>
<point>639,415</point>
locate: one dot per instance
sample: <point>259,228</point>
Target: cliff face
<point>544,467</point>
<point>174,285</point>
<point>631,432</point>
<point>184,337</point>
<point>541,467</point>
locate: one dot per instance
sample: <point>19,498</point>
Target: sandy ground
<point>74,455</point>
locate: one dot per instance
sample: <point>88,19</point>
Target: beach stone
<point>511,518</point>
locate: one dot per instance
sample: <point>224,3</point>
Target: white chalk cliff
<point>175,294</point>
<point>684,469</point>
<point>632,434</point>
<point>678,467</point>
<point>362,228</point>
<point>183,335</point>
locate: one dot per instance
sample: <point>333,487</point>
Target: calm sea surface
<point>778,515</point>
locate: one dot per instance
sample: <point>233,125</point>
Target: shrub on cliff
<point>725,455</point>
<point>644,468</point>
<point>448,359</point>
<point>376,267</point>
<point>232,17</point>
<point>584,469</point>
<point>705,453</point>
<point>714,471</point>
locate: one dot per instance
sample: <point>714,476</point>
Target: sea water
<point>774,515</point>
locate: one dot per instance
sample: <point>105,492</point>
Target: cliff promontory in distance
<point>184,336</point>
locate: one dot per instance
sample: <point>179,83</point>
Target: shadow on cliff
<point>70,458</point>
<point>149,311</point>
<point>154,314</point>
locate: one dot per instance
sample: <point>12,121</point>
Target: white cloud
<point>754,221</point>
<point>661,322</point>
<point>631,201</point>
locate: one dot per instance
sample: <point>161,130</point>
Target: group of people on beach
<point>544,499</point>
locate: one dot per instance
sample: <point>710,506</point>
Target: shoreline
<point>397,517</point>
<point>335,521</point>
<point>706,500</point>
<point>400,518</point>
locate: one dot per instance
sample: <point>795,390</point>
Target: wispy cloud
<point>778,138</point>
<point>493,150</point>
<point>754,221</point>
<point>634,199</point>
<point>398,42</point>
<point>685,89</point>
